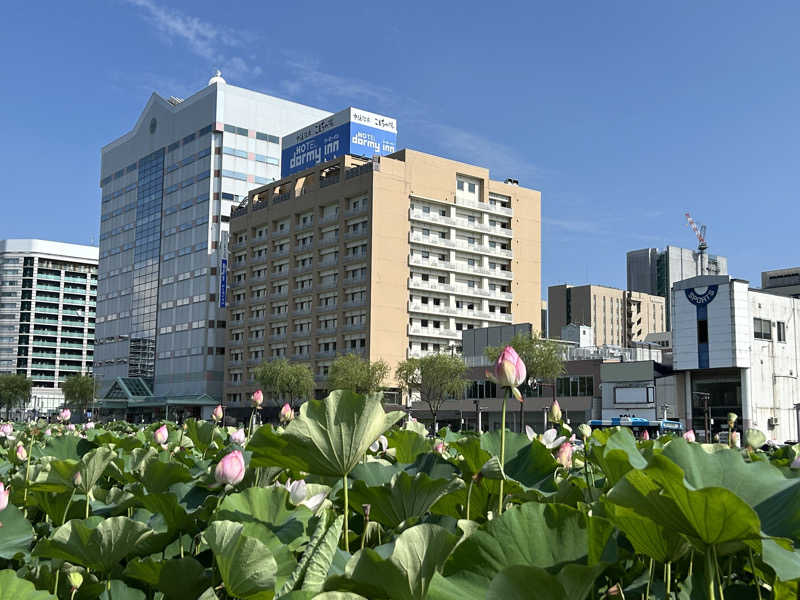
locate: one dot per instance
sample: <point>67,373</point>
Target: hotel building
<point>388,258</point>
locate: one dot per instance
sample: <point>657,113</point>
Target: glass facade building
<point>168,187</point>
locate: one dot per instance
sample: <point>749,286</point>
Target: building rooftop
<point>61,249</point>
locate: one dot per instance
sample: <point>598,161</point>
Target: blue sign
<point>351,131</point>
<point>223,283</point>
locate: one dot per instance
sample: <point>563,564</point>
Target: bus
<point>639,425</point>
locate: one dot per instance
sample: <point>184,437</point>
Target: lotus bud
<point>689,436</point>
<point>732,419</point>
<point>64,415</point>
<point>754,438</point>
<point>287,414</point>
<point>297,490</point>
<point>646,435</point>
<point>555,412</point>
<point>258,399</point>
<point>237,437</point>
<point>564,455</point>
<point>6,429</point>
<point>366,508</point>
<point>217,414</point>
<point>585,431</point>
<point>737,439</point>
<point>75,579</point>
<point>22,455</point>
<point>161,434</point>
<point>71,427</point>
<point>509,371</point>
<point>88,425</point>
<point>4,492</point>
<point>230,469</point>
<point>48,431</point>
<point>439,447</point>
<point>77,480</point>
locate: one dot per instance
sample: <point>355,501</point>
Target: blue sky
<point>624,114</point>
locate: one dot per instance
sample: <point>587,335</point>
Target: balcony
<point>434,332</point>
<point>326,330</point>
<point>351,212</point>
<point>304,247</point>
<point>277,337</point>
<point>259,259</point>
<point>329,219</point>
<point>432,286</point>
<point>328,241</point>
<point>355,326</point>
<point>484,206</point>
<point>327,285</point>
<point>433,309</point>
<point>353,257</point>
<point>352,235</point>
<point>325,354</point>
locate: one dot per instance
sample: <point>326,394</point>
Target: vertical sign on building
<point>223,282</point>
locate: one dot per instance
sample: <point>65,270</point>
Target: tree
<point>351,372</point>
<point>79,392</point>
<point>14,390</point>
<point>279,376</point>
<point>435,378</point>
<point>543,359</point>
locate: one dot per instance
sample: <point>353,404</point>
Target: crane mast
<point>702,244</point>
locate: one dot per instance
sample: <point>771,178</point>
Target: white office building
<point>739,351</point>
<point>168,186</point>
<point>47,315</point>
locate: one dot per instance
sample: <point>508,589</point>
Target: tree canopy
<point>15,390</point>
<point>352,372</point>
<point>79,391</point>
<point>435,378</point>
<point>279,376</point>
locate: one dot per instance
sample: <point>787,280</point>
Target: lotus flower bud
<point>258,399</point>
<point>64,415</point>
<point>71,427</point>
<point>75,579</point>
<point>237,437</point>
<point>585,431</point>
<point>646,435</point>
<point>689,436</point>
<point>564,456</point>
<point>89,425</point>
<point>77,479</point>
<point>6,429</point>
<point>4,492</point>
<point>555,412</point>
<point>439,447</point>
<point>48,431</point>
<point>737,439</point>
<point>22,454</point>
<point>753,438</point>
<point>230,469</point>
<point>161,434</point>
<point>509,371</point>
<point>287,414</point>
<point>732,419</point>
<point>217,414</point>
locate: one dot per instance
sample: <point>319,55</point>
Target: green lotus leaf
<point>99,544</point>
<point>329,437</point>
<point>16,532</point>
<point>419,553</point>
<point>63,447</point>
<point>53,475</point>
<point>648,537</point>
<point>755,438</point>
<point>573,582</point>
<point>158,476</point>
<point>92,466</point>
<point>403,498</point>
<point>471,457</point>
<point>202,433</point>
<point>317,558</point>
<point>14,588</point>
<point>408,444</point>
<point>247,566</point>
<point>375,472</point>
<point>616,453</point>
<point>179,579</point>
<point>108,438</point>
<point>541,535</point>
<point>119,590</point>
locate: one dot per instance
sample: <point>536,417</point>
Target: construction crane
<point>702,245</point>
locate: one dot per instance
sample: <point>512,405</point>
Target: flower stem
<point>710,575</point>
<point>66,510</point>
<point>469,495</point>
<point>669,577</point>
<point>586,473</point>
<point>502,453</point>
<point>755,575</point>
<point>346,520</point>
<point>649,579</point>
<point>27,476</point>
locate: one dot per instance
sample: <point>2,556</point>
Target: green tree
<point>351,372</point>
<point>79,392</point>
<point>15,390</point>
<point>279,376</point>
<point>435,378</point>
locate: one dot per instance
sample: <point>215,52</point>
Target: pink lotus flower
<point>287,414</point>
<point>230,469</point>
<point>22,455</point>
<point>6,429</point>
<point>71,427</point>
<point>564,456</point>
<point>645,435</point>
<point>237,437</point>
<point>509,371</point>
<point>689,436</point>
<point>217,414</point>
<point>89,425</point>
<point>48,431</point>
<point>258,399</point>
<point>4,496</point>
<point>161,434</point>
<point>439,447</point>
<point>64,415</point>
<point>737,439</point>
<point>77,479</point>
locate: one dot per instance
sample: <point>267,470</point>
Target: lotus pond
<point>347,501</point>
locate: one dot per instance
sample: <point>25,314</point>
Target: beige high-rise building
<point>618,317</point>
<point>389,260</point>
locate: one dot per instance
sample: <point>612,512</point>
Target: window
<point>781,331</point>
<point>762,329</point>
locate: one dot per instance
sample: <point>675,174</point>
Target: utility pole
<point>707,421</point>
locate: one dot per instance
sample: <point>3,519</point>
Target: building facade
<point>739,351</point>
<point>618,317</point>
<point>784,282</point>
<point>168,186</point>
<point>47,315</point>
<point>388,259</point>
<point>655,271</point>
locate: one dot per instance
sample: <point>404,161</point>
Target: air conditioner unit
<point>772,422</point>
